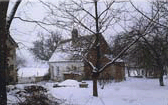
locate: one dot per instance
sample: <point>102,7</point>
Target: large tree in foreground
<point>88,17</point>
<point>4,32</point>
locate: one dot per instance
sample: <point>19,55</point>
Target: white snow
<point>69,83</point>
<point>133,91</point>
<point>32,72</point>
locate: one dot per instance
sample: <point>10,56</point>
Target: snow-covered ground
<point>133,91</point>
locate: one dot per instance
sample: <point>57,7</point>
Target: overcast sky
<point>25,33</point>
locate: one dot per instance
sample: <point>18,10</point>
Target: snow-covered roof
<point>32,72</point>
<point>68,51</point>
<point>60,56</point>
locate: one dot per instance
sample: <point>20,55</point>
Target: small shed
<point>73,75</point>
<point>31,75</point>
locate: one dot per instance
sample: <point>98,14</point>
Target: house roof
<point>60,56</point>
<point>70,49</point>
<point>32,72</point>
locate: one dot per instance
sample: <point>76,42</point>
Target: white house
<point>69,61</point>
<point>61,64</point>
<point>31,75</point>
<point>66,60</point>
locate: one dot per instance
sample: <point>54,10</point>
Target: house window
<point>58,71</point>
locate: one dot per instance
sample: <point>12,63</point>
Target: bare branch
<point>119,55</point>
<point>146,15</point>
<point>83,9</point>
<point>108,7</point>
<point>89,63</point>
<point>33,21</point>
<point>145,32</point>
<point>78,21</point>
<point>47,5</point>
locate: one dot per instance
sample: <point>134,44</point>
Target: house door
<point>119,76</point>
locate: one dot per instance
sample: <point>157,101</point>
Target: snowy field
<point>133,91</point>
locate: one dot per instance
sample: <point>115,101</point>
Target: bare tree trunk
<point>161,76</point>
<point>128,69</point>
<point>95,93</point>
<point>146,73</point>
<point>161,80</point>
<point>95,78</point>
<point>3,55</point>
<point>96,75</point>
<point>160,68</point>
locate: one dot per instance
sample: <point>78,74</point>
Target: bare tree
<point>144,54</point>
<point>157,35</point>
<point>45,47</point>
<point>4,32</point>
<point>94,21</point>
<point>85,16</point>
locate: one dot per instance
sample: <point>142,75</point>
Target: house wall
<point>116,71</point>
<point>26,79</point>
<point>75,76</point>
<point>57,69</point>
<point>119,69</point>
<point>39,79</point>
<point>33,79</point>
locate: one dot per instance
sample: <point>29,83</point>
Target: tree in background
<point>45,47</point>
<point>157,37</point>
<point>150,52</point>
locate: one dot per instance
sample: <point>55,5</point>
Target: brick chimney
<point>74,36</point>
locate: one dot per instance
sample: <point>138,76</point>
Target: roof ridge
<point>70,39</point>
